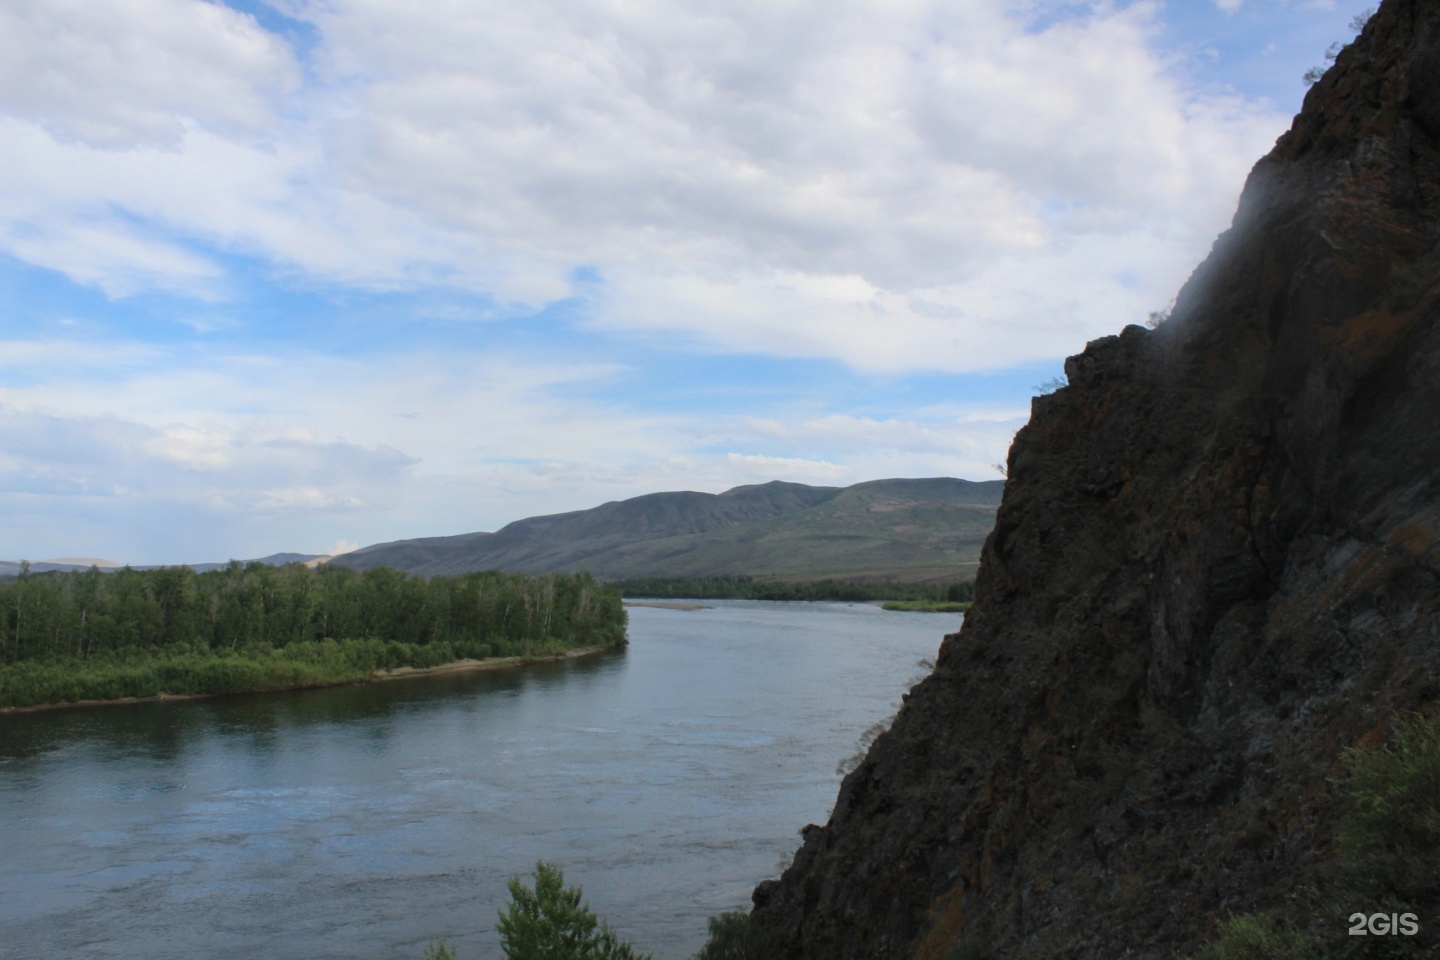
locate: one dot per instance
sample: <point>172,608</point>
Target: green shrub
<point>1256,937</point>
<point>734,937</point>
<point>549,922</point>
<point>1388,860</point>
<point>1390,834</point>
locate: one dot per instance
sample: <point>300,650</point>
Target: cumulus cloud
<point>120,73</point>
<point>272,452</point>
<point>795,469</point>
<point>791,180</point>
<point>107,456</point>
<point>283,452</point>
<point>957,442</point>
<point>180,492</point>
<point>933,185</point>
<point>862,181</point>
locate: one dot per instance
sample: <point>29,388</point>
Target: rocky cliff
<point>1215,566</point>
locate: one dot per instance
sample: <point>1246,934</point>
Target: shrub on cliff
<point>1390,837</point>
<point>1255,937</point>
<point>1387,862</point>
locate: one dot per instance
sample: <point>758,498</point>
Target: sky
<point>304,275</point>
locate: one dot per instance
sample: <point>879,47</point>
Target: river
<point>360,822</point>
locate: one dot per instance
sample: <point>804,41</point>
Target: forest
<point>748,588</point>
<point>91,635</point>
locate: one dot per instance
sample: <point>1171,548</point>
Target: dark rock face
<point>1216,565</point>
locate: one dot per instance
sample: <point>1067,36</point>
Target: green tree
<point>439,950</point>
<point>734,937</point>
<point>549,922</point>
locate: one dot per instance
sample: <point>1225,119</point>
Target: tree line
<point>748,588</point>
<point>81,634</point>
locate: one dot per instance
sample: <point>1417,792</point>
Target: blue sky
<point>308,275</point>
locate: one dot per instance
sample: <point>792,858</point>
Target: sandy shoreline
<point>399,673</point>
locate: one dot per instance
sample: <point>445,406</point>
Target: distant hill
<point>10,568</point>
<point>274,560</point>
<point>912,530</point>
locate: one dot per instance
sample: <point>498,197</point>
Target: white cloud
<point>48,452</point>
<point>118,73</point>
<point>957,442</point>
<point>794,469</point>
<point>279,453</point>
<point>113,256</point>
<point>790,179</point>
<point>70,357</point>
<point>182,492</point>
<point>950,185</point>
<point>1229,6</point>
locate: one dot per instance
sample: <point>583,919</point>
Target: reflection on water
<point>362,821</point>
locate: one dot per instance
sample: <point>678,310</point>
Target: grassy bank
<point>182,672</point>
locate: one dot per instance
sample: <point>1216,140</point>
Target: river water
<point>360,822</point>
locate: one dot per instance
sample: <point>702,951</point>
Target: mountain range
<point>905,530</point>
<point>9,568</point>
<point>927,530</point>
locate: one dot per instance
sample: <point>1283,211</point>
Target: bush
<point>1388,860</point>
<point>1390,834</point>
<point>549,922</point>
<point>734,937</point>
<point>1256,937</point>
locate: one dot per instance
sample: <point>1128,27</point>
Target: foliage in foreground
<point>551,922</point>
<point>734,937</point>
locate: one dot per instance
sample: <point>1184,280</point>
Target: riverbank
<point>666,605</point>
<point>371,805</point>
<point>470,665</point>
<point>926,606</point>
<point>312,682</point>
<point>749,588</point>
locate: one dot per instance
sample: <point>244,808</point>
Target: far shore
<point>666,605</point>
<point>399,673</point>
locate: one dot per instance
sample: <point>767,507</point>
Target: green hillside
<point>912,530</point>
